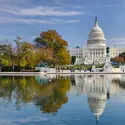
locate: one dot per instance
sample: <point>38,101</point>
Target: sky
<point>72,19</point>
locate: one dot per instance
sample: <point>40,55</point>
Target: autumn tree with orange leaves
<point>53,41</point>
<point>118,60</point>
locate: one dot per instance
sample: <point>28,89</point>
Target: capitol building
<point>95,51</point>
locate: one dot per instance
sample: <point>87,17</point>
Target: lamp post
<point>0,64</point>
<point>0,61</point>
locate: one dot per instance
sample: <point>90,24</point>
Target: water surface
<point>62,100</point>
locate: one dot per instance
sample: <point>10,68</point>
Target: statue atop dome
<point>97,119</point>
<point>96,21</point>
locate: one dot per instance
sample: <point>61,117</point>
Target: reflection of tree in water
<point>49,97</point>
<point>73,80</point>
<point>6,88</point>
<point>58,96</point>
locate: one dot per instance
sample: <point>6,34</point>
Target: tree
<point>2,50</point>
<point>23,49</point>
<point>10,53</point>
<point>63,57</point>
<point>18,53</point>
<point>118,60</point>
<point>43,55</point>
<point>52,40</point>
<point>122,55</point>
<point>73,59</point>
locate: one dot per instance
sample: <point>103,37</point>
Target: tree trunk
<point>18,62</point>
<point>12,64</point>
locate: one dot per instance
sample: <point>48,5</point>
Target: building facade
<point>77,51</point>
<point>95,51</point>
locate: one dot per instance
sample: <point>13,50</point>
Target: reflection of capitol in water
<point>98,88</point>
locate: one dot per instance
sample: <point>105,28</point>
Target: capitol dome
<point>96,36</point>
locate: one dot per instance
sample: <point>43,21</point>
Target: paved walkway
<point>43,73</point>
<point>22,73</point>
<point>86,73</point>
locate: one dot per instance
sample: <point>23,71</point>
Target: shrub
<point>37,70</point>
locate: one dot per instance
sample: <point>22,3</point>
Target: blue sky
<point>72,19</point>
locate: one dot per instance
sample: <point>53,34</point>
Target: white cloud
<point>49,11</point>
<point>119,43</point>
<point>85,5</point>
<point>121,38</point>
<point>13,2</point>
<point>4,20</point>
<point>18,121</point>
<point>72,21</point>
<point>39,11</point>
<point>62,4</point>
<point>117,40</point>
<point>18,13</point>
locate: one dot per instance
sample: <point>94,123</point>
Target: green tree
<point>18,53</point>
<point>23,49</point>
<point>10,53</point>
<point>73,59</point>
<point>43,55</point>
<point>2,50</point>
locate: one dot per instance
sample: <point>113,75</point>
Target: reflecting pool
<point>62,100</point>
